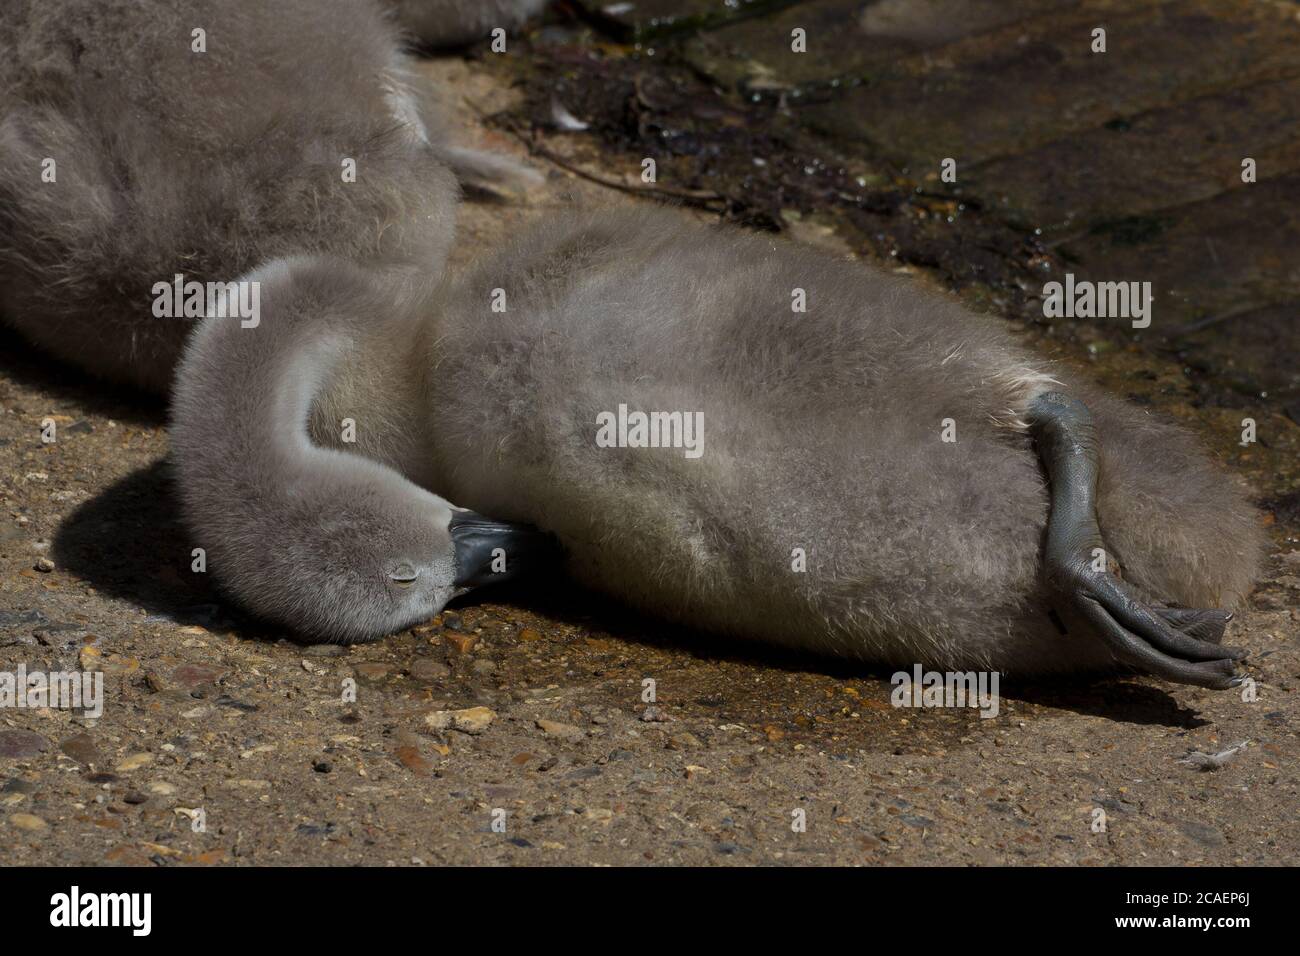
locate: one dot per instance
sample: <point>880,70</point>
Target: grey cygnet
<point>140,141</point>
<point>885,476</point>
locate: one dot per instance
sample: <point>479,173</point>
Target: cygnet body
<point>881,475</point>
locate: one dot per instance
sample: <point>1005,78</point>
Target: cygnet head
<point>327,542</point>
<point>347,551</point>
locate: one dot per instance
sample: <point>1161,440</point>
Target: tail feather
<point>1176,524</point>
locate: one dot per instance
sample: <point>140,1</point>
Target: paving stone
<point>1254,350</point>
<point>1017,88</point>
<point>845,39</point>
<point>1206,259</point>
<point>646,19</point>
<point>1154,161</point>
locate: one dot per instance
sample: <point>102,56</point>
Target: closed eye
<point>404,575</point>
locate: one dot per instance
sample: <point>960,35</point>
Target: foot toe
<point>1161,658</point>
<point>1153,624</point>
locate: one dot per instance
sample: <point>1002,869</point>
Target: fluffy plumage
<point>313,538</point>
<point>204,163</point>
<point>822,432</point>
<point>441,23</point>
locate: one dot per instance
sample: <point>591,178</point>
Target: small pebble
<point>462,643</point>
<point>472,720</point>
<point>134,762</point>
<point>325,650</point>
<point>21,744</point>
<point>426,668</point>
<point>81,748</point>
<point>553,728</point>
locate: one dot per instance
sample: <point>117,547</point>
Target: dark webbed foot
<point>1177,644</point>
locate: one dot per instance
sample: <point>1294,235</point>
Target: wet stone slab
<point>1028,84</point>
<point>1150,162</point>
<point>1110,166</point>
<point>650,19</point>
<point>1253,352</point>
<point>1228,255</point>
<point>846,40</point>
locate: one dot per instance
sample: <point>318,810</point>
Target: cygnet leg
<point>1177,644</point>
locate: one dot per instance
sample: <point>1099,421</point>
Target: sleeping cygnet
<point>718,427</point>
<point>153,147</point>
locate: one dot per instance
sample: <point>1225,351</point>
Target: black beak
<point>488,551</point>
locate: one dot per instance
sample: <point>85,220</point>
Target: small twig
<point>1208,321</point>
<point>696,197</point>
